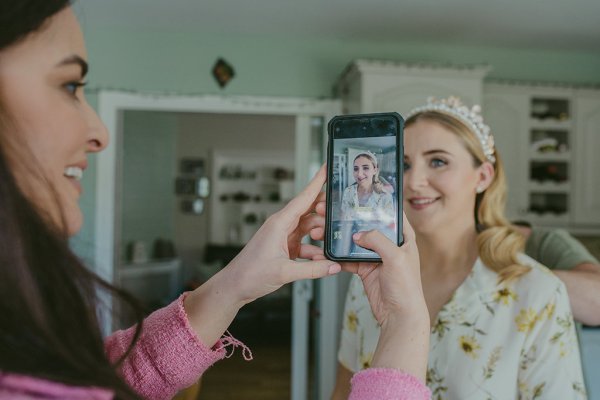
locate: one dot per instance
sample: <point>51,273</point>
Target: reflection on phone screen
<point>364,184</point>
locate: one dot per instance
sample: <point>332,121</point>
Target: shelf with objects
<point>549,160</point>
<point>248,187</point>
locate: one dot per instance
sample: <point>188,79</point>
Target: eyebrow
<point>76,60</point>
<point>434,151</point>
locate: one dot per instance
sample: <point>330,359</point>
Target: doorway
<point>303,115</point>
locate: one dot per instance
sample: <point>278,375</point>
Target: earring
<point>479,189</point>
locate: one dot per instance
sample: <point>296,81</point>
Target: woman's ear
<point>486,176</point>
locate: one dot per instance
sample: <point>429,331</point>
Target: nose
<point>98,134</point>
<point>415,178</point>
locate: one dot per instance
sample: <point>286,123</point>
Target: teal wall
<point>149,170</point>
<point>181,62</point>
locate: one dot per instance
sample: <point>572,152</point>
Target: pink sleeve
<point>168,356</point>
<point>387,384</point>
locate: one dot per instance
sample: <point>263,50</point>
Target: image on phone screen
<point>364,191</point>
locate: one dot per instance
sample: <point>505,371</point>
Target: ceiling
<point>541,24</point>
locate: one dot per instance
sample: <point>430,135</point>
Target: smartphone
<point>364,182</point>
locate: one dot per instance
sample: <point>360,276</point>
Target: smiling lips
<point>74,174</point>
<point>420,203</point>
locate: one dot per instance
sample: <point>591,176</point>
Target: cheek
<point>458,185</point>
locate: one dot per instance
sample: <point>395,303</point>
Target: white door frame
<point>112,104</point>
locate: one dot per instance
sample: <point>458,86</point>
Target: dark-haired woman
<point>50,342</point>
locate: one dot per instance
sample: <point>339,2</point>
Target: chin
<point>74,222</point>
<point>421,225</point>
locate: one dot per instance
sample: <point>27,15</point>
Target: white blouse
<point>378,207</point>
<point>490,341</point>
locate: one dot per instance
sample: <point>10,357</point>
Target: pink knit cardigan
<point>169,357</point>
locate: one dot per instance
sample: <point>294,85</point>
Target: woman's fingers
<point>303,202</point>
<point>358,267</point>
<point>320,207</point>
<point>309,251</point>
<point>376,241</point>
<point>294,270</point>
<point>310,222</point>
<point>317,233</point>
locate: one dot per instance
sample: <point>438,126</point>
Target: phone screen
<point>364,190</point>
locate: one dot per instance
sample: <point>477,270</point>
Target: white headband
<point>471,117</point>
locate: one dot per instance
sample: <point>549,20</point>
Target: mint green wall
<point>181,62</point>
<point>149,170</point>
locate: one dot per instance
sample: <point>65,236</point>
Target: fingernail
<point>357,236</point>
<point>334,269</point>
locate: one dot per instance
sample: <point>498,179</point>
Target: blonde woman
<point>367,203</point>
<point>501,325</point>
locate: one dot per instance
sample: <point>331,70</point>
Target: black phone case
<point>399,191</point>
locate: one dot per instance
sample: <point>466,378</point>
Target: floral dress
<point>512,340</point>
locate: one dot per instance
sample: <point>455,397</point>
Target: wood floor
<point>266,329</point>
<point>266,377</point>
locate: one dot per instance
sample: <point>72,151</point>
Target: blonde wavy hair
<point>498,241</point>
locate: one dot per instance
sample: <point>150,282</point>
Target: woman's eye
<point>406,166</point>
<point>436,163</point>
<point>72,87</point>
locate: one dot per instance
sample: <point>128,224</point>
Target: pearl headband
<point>453,107</point>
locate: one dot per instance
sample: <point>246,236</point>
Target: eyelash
<point>74,85</point>
<point>438,161</point>
<point>435,163</point>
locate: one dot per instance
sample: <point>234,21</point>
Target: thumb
<point>294,270</point>
<point>376,241</point>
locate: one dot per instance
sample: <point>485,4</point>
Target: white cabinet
<point>548,137</point>
<point>587,162</point>
<point>533,129</point>
<point>368,86</point>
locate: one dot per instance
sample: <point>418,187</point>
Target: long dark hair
<point>48,299</point>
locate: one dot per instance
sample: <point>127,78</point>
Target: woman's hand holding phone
<point>265,264</point>
<point>394,285</point>
<point>395,294</point>
<point>396,297</point>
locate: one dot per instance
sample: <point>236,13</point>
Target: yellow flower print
<point>548,311</point>
<point>351,321</point>
<point>526,320</point>
<point>504,296</point>
<point>523,390</point>
<point>365,360</point>
<point>469,345</point>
